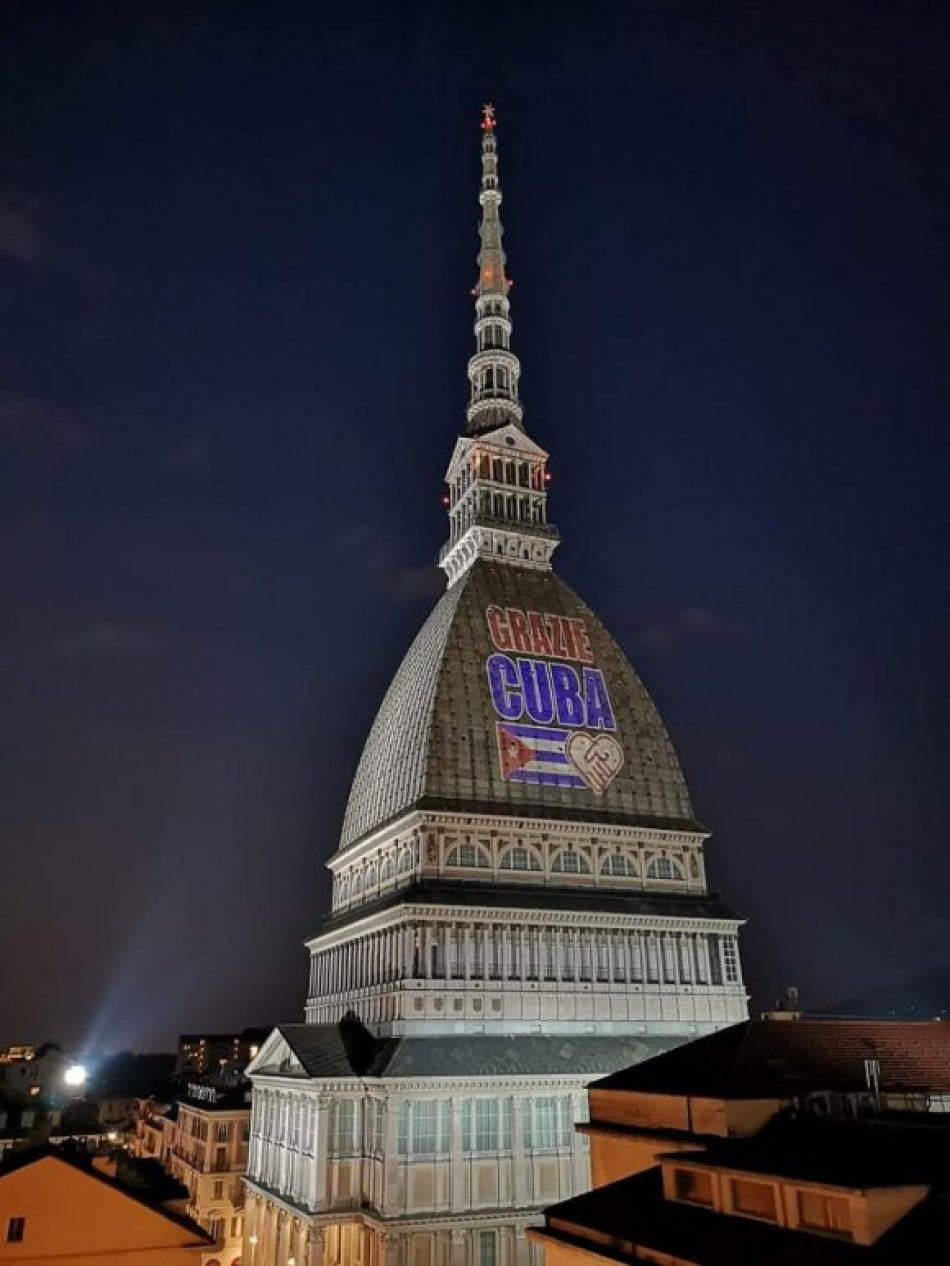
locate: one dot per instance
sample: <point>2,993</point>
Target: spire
<point>497,480</point>
<point>494,370</point>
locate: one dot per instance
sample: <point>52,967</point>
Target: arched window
<point>405,860</point>
<point>369,879</point>
<point>343,889</point>
<point>570,862</point>
<point>357,885</point>
<point>386,871</point>
<point>664,868</point>
<point>618,865</point>
<point>467,855</point>
<point>519,858</point>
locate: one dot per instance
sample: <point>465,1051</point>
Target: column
<point>321,1140</point>
<point>457,1198</point>
<point>521,1172</point>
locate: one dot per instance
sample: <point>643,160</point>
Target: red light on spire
<point>488,117</point>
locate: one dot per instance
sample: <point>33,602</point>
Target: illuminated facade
<point>519,895</point>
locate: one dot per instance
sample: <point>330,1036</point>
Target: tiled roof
<point>617,1220</point>
<point>348,1049</point>
<point>534,897</point>
<point>783,1058</point>
<point>434,738</point>
<point>523,1055</point>
<point>892,1149</point>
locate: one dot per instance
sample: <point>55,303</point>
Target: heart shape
<point>597,760</point>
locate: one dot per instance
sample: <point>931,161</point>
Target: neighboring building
<point>36,1073</point>
<point>519,895</point>
<point>212,1054</point>
<point>768,1141</point>
<point>201,1140</point>
<point>18,1050</point>
<point>53,1210</point>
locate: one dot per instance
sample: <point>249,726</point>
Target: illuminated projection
<point>556,721</point>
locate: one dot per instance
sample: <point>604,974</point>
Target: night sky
<point>236,247</point>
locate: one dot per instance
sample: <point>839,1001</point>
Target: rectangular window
<point>694,1185</point>
<point>754,1199</point>
<point>730,960</point>
<point>541,1123</point>
<point>222,1131</point>
<point>486,1248</point>
<point>824,1213</point>
<point>344,1138</point>
<point>218,1191</point>
<point>16,1229</point>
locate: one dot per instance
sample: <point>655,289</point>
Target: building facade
<point>519,894</point>
<point>202,1141</point>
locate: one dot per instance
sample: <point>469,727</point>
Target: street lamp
<point>75,1075</point>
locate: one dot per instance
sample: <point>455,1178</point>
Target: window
<point>618,865</point>
<point>548,1123</point>
<point>569,862</point>
<point>730,961</point>
<point>386,871</point>
<point>16,1228</point>
<point>424,1128</point>
<point>405,861</point>
<point>216,1227</point>
<point>754,1199</point>
<point>486,1248</point>
<point>519,858</point>
<point>664,868</point>
<point>822,1212</point>
<point>217,1192</point>
<point>467,855</point>
<point>344,1137</point>
<point>486,1125</point>
<point>222,1131</point>
<point>694,1185</point>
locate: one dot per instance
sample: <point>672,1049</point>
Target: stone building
<point>519,894</point>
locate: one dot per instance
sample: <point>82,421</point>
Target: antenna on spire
<point>488,117</point>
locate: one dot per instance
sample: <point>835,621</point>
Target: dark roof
<point>771,1058</point>
<point>887,1150</point>
<point>522,1055</point>
<point>617,1219</point>
<point>434,740</point>
<point>348,1049</point>
<point>681,905</point>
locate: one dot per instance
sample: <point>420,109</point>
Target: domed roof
<point>515,699</point>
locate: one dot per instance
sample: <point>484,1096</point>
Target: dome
<point>514,699</point>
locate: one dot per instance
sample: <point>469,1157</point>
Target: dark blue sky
<point>236,245</point>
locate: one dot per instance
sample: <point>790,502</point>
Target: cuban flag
<point>535,753</point>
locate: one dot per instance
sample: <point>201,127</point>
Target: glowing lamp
<point>75,1075</point>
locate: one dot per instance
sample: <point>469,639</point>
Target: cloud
<point>107,640</point>
<point>21,235</point>
<point>366,546</point>
<point>26,240</point>
<point>687,624</point>
<point>39,424</point>
<point>194,452</point>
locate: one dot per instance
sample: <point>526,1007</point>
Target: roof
<point>616,1219</point>
<point>887,1150</point>
<point>771,1058</point>
<point>159,1186</point>
<point>434,739</point>
<point>535,897</point>
<point>348,1050</point>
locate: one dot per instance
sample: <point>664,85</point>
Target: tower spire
<point>497,480</point>
<point>494,370</point>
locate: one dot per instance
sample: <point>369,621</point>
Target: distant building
<point>37,1073</point>
<point>53,1209</point>
<point>777,1140</point>
<point>207,1054</point>
<point>21,1050</point>
<point>201,1140</point>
